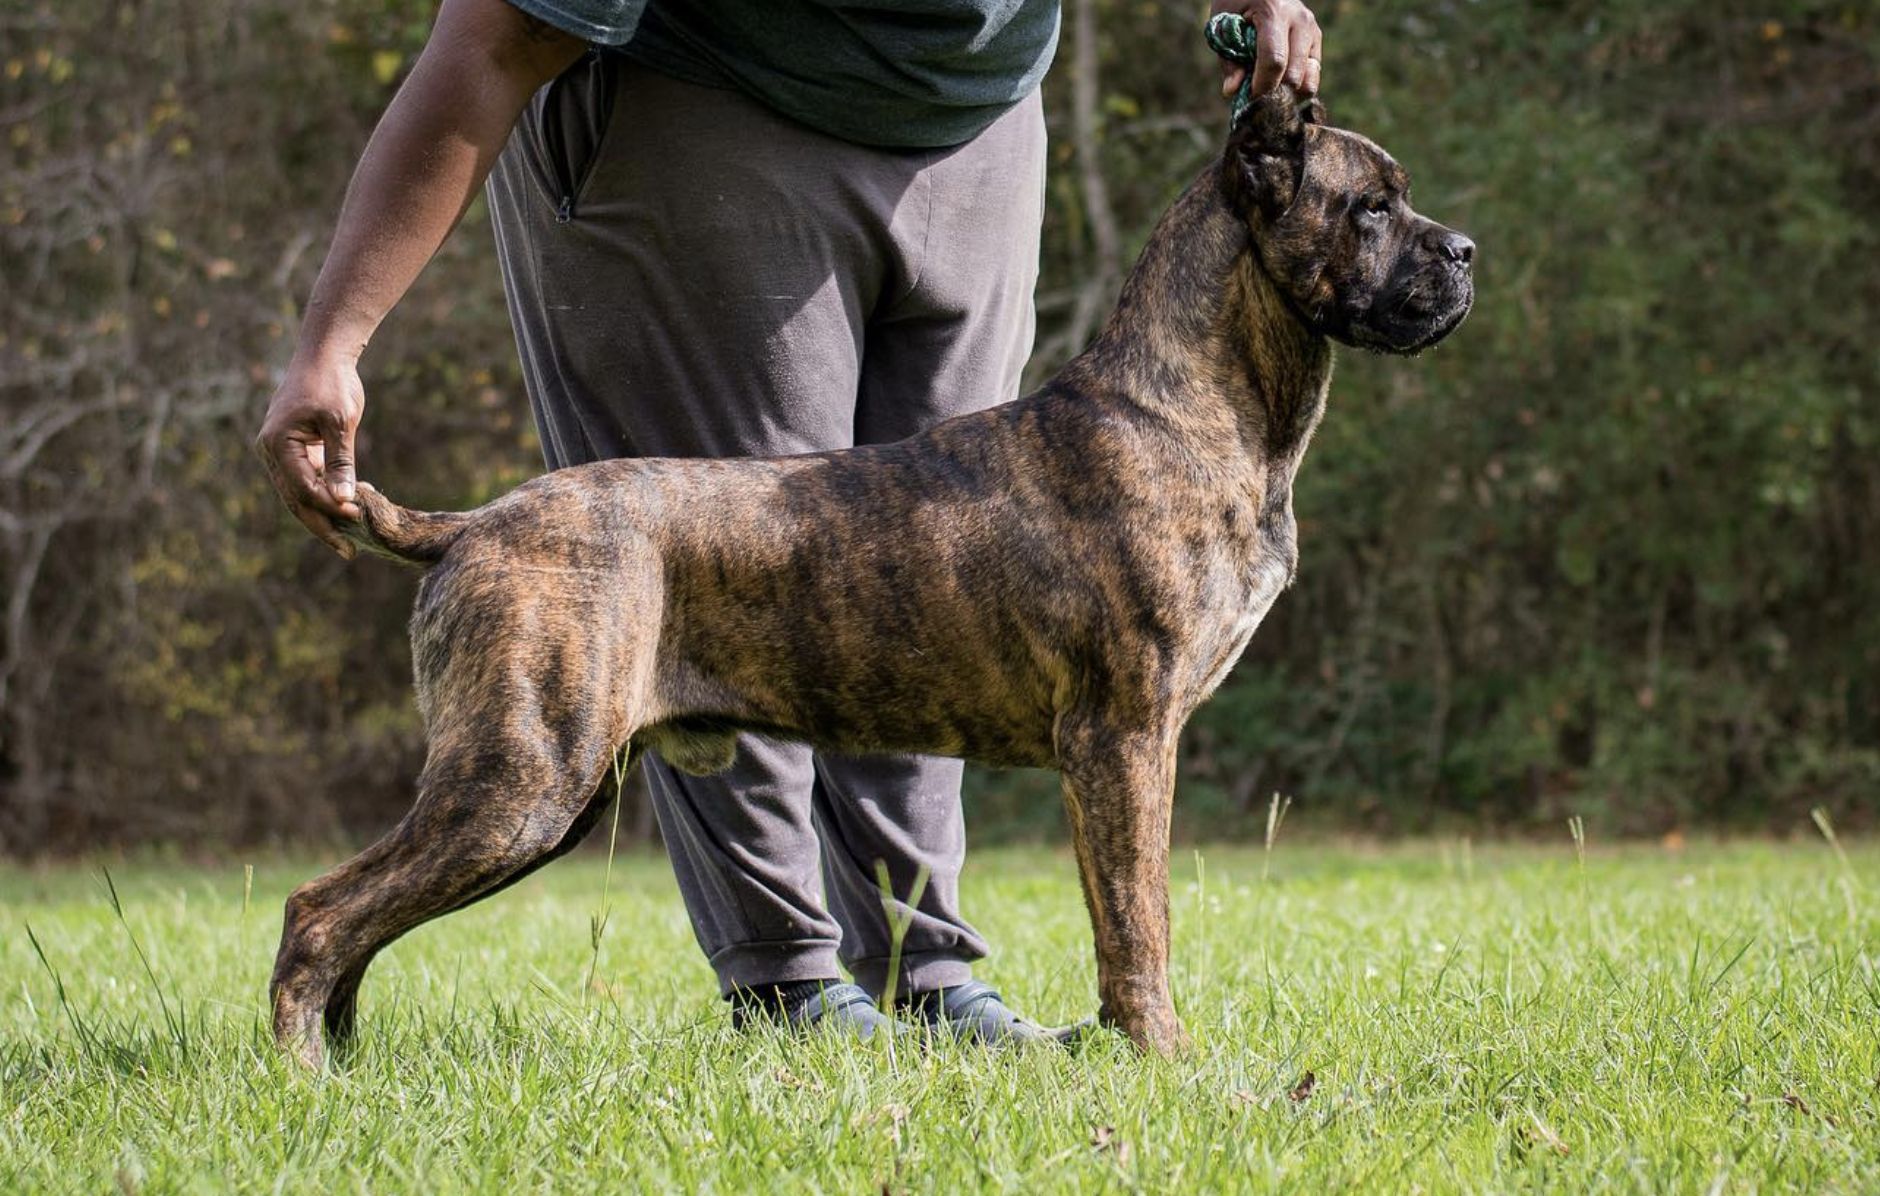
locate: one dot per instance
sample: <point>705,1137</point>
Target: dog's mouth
<point>1446,324</point>
<point>1429,308</point>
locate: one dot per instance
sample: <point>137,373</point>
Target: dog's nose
<point>1455,247</point>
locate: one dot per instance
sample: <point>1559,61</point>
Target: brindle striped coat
<point>1057,582</point>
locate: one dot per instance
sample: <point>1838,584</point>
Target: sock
<point>776,1000</point>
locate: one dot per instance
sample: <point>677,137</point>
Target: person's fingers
<point>1313,65</point>
<point>1271,44</point>
<point>337,441</point>
<point>294,474</point>
<point>293,466</point>
<point>324,531</point>
<point>1298,53</point>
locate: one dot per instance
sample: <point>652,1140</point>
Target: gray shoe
<point>976,1011</point>
<point>821,1005</point>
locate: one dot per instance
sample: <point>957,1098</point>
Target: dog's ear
<point>1266,152</point>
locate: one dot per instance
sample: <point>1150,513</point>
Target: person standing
<point>732,229</point>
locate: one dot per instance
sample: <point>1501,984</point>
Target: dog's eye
<point>1374,205</point>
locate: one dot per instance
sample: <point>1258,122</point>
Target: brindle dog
<point>1057,582</point>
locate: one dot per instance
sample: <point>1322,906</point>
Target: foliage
<point>1494,1021</point>
<point>1614,547</point>
<point>176,661</point>
<point>1611,549</point>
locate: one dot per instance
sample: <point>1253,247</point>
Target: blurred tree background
<point>1614,549</point>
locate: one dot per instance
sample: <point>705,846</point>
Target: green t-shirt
<point>912,74</point>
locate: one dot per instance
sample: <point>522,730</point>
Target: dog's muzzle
<point>1423,308</point>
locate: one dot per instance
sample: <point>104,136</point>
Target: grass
<point>1419,1017</point>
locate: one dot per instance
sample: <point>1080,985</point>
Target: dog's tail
<point>413,537</point>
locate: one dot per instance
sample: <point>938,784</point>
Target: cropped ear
<point>1266,152</point>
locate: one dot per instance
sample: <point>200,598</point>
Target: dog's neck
<point>1194,317</point>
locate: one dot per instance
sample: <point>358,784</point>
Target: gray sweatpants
<point>690,274</point>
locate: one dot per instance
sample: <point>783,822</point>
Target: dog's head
<point>1330,217</point>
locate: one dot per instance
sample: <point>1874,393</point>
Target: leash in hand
<point>1232,37</point>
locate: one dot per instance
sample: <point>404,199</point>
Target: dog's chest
<point>1245,580</point>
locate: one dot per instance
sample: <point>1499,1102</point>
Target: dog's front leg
<point>1118,790</point>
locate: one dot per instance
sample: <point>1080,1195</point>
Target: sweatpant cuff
<point>919,972</point>
<point>747,965</point>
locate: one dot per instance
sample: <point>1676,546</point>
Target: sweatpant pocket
<point>571,118</point>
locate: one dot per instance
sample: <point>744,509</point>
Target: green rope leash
<point>1230,36</point>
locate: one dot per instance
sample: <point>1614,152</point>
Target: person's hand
<point>306,442</point>
<point>1288,44</point>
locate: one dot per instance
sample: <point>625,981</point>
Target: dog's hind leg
<point>342,1006</point>
<point>487,813</point>
<point>608,792</point>
<point>1118,791</point>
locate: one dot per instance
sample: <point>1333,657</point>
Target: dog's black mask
<point>1330,217</point>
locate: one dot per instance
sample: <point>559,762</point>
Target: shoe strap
<point>958,1003</point>
<point>830,999</point>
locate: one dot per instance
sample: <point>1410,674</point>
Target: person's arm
<point>429,155</point>
<point>1287,41</point>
